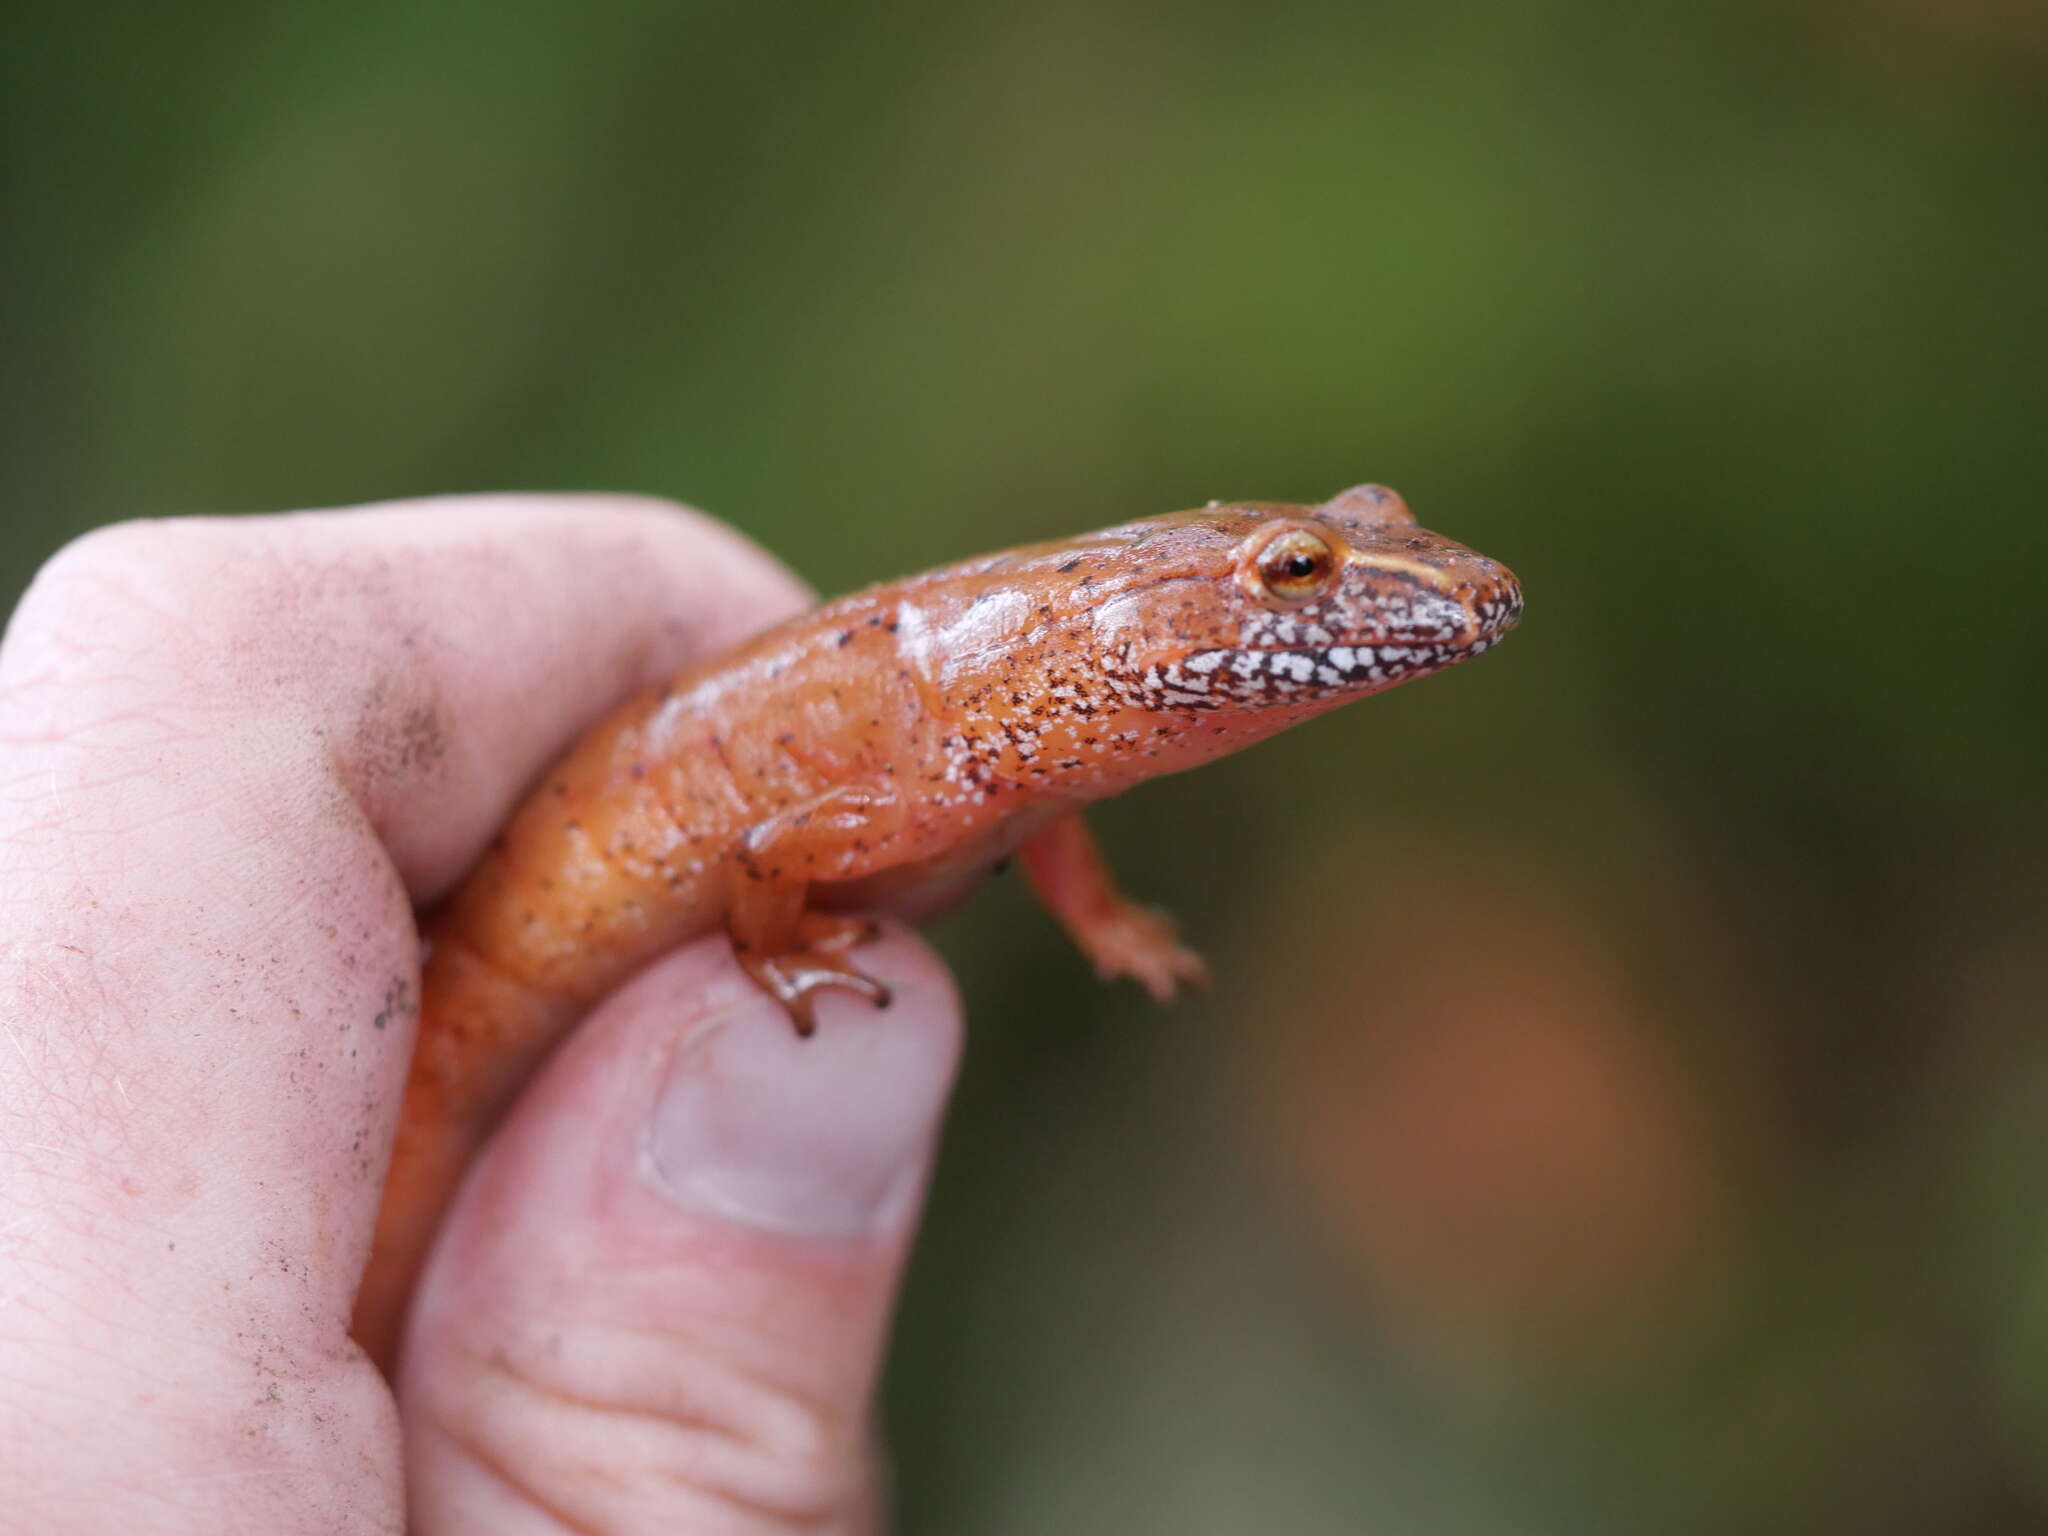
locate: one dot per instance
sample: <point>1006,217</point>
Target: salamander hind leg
<point>790,950</point>
<point>812,957</point>
<point>1120,937</point>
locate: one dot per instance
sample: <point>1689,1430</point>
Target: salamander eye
<point>1293,567</point>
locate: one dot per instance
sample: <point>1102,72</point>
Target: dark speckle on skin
<point>403,737</point>
<point>397,1003</point>
<point>422,738</point>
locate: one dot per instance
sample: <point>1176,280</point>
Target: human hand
<point>234,756</point>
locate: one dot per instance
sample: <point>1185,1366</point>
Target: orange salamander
<point>877,754</point>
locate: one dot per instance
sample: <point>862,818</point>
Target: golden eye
<point>1294,567</point>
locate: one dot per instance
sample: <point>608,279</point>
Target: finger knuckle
<point>92,565</point>
<point>762,1457</point>
<point>175,617</point>
<point>127,586</point>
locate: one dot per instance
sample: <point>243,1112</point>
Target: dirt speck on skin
<point>402,742</point>
<point>421,738</point>
<point>398,1003</point>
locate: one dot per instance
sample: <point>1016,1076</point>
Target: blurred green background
<point>1624,1104</point>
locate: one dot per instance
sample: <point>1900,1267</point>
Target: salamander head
<point>1265,607</point>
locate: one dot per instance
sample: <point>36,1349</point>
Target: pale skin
<point>234,756</point>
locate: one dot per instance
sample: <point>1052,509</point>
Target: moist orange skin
<point>877,754</point>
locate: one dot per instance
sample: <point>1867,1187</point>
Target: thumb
<point>662,1298</point>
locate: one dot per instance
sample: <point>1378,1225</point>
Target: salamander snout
<point>1493,606</point>
<point>1428,592</point>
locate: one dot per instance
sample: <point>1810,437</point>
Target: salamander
<point>878,754</point>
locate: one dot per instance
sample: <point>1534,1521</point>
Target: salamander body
<point>881,751</point>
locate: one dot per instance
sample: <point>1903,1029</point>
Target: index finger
<point>439,652</point>
<point>234,753</point>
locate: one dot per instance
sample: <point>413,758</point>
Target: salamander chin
<point>1431,631</point>
<point>1217,677</point>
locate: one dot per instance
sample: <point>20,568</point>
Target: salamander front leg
<point>1119,936</point>
<point>790,951</point>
